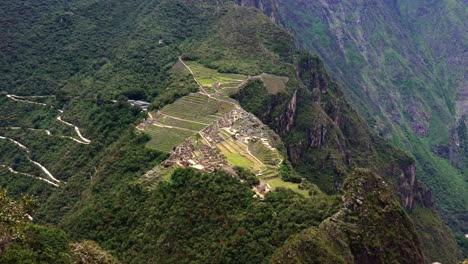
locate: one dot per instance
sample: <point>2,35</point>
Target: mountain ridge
<point>209,217</point>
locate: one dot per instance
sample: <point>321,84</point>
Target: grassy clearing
<point>180,123</point>
<point>278,182</point>
<point>237,155</point>
<point>197,108</point>
<point>179,67</point>
<point>165,139</point>
<point>274,84</point>
<point>237,159</point>
<point>209,77</point>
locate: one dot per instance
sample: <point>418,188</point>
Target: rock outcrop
<point>287,118</point>
<point>412,190</point>
<point>371,227</point>
<point>268,7</point>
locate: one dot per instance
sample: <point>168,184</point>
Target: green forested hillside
<point>91,56</point>
<point>401,65</point>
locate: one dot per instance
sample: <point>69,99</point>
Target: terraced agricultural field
<point>198,108</point>
<point>209,77</point>
<point>265,154</point>
<point>237,154</point>
<point>165,139</point>
<point>169,121</point>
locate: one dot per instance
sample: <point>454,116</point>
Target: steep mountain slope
<point>24,242</point>
<point>93,55</point>
<point>401,64</point>
<point>349,233</point>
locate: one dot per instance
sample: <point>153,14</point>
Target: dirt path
<point>181,119</point>
<point>204,138</point>
<point>76,140</point>
<point>15,98</point>
<point>156,123</point>
<point>47,132</point>
<point>17,143</point>
<point>45,170</point>
<point>193,75</point>
<point>204,91</point>
<point>28,128</point>
<point>29,175</point>
<point>77,130</point>
<point>18,98</point>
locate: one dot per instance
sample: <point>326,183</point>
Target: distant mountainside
<point>283,168</point>
<point>402,66</point>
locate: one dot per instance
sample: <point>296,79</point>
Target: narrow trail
<point>34,96</point>
<point>45,170</point>
<point>29,175</point>
<point>193,75</point>
<point>76,140</point>
<point>15,98</point>
<point>155,123</point>
<point>220,100</point>
<point>23,147</point>
<point>204,91</point>
<point>77,130</point>
<point>17,143</point>
<point>181,119</point>
<point>20,98</point>
<point>47,132</point>
<point>250,153</point>
<point>28,128</point>
<point>204,138</point>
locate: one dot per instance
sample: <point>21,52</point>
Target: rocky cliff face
<point>391,61</point>
<point>286,120</point>
<point>268,7</point>
<point>412,190</point>
<point>322,133</point>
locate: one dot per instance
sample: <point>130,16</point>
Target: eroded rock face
<point>287,118</point>
<point>418,117</point>
<point>268,7</point>
<point>411,190</point>
<point>311,71</point>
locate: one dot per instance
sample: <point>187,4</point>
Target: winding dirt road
<point>77,130</point>
<point>21,99</point>
<point>44,169</point>
<point>29,175</point>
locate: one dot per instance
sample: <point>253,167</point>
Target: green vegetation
<point>211,78</point>
<point>165,139</point>
<point>24,242</point>
<point>277,182</point>
<point>274,84</point>
<point>171,211</point>
<point>169,121</point>
<point>236,159</point>
<point>406,91</point>
<point>199,108</point>
<point>255,91</point>
<point>265,154</point>
<point>94,56</point>
<point>369,228</point>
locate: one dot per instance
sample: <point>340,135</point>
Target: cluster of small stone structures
<point>197,155</point>
<point>241,125</point>
<point>200,151</point>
